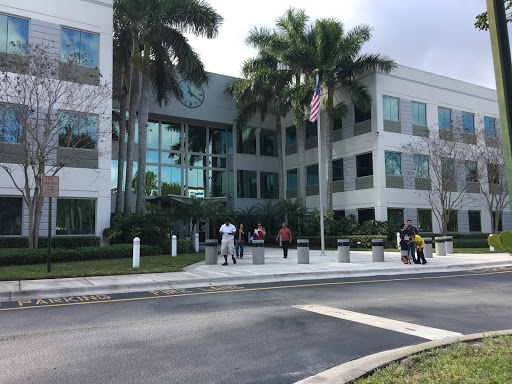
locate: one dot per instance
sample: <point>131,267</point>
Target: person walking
<point>409,232</point>
<point>228,232</point>
<point>286,239</point>
<point>239,242</point>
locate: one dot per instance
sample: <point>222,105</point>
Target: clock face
<point>193,96</point>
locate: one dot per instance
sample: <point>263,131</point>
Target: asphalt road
<point>237,334</point>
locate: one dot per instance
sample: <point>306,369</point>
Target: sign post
<point>50,190</point>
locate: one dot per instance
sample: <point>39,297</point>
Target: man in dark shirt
<point>408,232</point>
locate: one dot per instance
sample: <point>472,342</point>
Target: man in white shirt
<point>228,232</point>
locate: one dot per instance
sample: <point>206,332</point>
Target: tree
<point>159,27</point>
<point>341,66</point>
<point>445,168</point>
<point>39,139</point>
<point>493,188</point>
<point>291,211</point>
<point>482,20</point>
<point>213,211</point>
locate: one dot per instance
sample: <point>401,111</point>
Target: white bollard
<point>490,248</point>
<point>174,246</point>
<point>136,252</point>
<point>196,242</point>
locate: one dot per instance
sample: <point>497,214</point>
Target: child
<point>404,247</point>
<point>420,244</point>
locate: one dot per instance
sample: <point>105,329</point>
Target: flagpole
<point>320,179</point>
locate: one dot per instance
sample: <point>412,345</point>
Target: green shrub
<point>23,256</point>
<point>66,242</point>
<point>495,241</point>
<point>184,246</point>
<point>506,239</point>
<point>470,243</point>
<point>332,241</point>
<point>455,235</point>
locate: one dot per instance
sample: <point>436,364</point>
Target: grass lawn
<point>482,362</point>
<point>148,264</point>
<point>478,250</point>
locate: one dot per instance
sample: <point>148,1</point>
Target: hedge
<point>332,241</point>
<point>456,235</point>
<point>66,242</point>
<point>23,256</point>
<point>184,246</point>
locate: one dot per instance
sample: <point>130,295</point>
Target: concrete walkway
<point>275,269</point>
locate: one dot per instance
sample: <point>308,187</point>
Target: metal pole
<point>503,73</point>
<point>49,268</point>
<point>320,179</point>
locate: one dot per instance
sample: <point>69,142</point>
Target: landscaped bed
<point>481,362</point>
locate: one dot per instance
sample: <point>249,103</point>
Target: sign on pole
<point>50,190</point>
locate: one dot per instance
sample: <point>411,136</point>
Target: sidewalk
<point>275,269</point>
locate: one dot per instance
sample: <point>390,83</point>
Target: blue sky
<point>434,35</point>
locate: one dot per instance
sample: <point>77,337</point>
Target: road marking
<point>242,289</point>
<point>381,322</point>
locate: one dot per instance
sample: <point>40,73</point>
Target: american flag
<point>315,103</point>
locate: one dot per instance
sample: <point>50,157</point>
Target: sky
<point>433,35</point>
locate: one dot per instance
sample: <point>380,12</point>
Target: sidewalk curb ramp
<point>60,290</point>
<point>363,366</point>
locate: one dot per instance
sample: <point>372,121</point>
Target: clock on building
<point>193,95</point>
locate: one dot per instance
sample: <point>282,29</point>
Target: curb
<point>50,292</point>
<point>354,369</point>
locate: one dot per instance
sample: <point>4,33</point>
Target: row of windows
<point>247,138</point>
<point>76,46</point>
<point>390,106</point>
<point>74,216</point>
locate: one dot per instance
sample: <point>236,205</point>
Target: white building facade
<point>66,27</point>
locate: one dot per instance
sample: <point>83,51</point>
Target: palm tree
<point>291,211</point>
<point>342,65</point>
<point>265,85</point>
<point>213,211</point>
<point>267,215</point>
<point>159,26</point>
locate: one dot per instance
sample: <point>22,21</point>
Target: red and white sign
<point>51,186</point>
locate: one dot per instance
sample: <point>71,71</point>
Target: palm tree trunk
<point>140,208</point>
<point>122,147</point>
<point>134,84</point>
<point>328,147</point>
<point>279,135</point>
<point>301,149</point>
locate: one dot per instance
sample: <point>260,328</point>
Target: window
<point>364,165</point>
<point>393,164</point>
<point>468,123</point>
<point>291,135</point>
<point>269,185</point>
<point>337,170</point>
<point>230,184</point>
<point>218,184</point>
<point>339,214</point>
<point>471,171</point>
<point>421,167</point>
<point>78,130</point>
<point>152,138</point>
<point>13,34</point>
<point>151,180</point>
<point>452,225</point>
<point>396,216</point>
<point>493,173</point>
<point>425,220</point>
<point>196,139</point>
<point>500,221</point>
<point>337,124</point>
<point>291,179</point>
<point>170,158</point>
<point>10,215</point>
<point>447,169</point>
<point>10,129</point>
<point>230,141</point>
<point>217,162</point>
<point>419,113</point>
<point>361,116</point>
<point>490,126</point>
<point>171,181</point>
<point>268,142</point>
<point>196,161</point>
<point>152,157</point>
<point>312,174</point>
<point>445,118</point>
<point>171,136</point>
<point>311,129</point>
<point>79,47</point>
<point>247,184</point>
<point>390,108</point>
<point>475,222</point>
<point>76,217</point>
<point>196,182</point>
<point>218,141</point>
<point>365,215</point>
<point>247,141</point>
